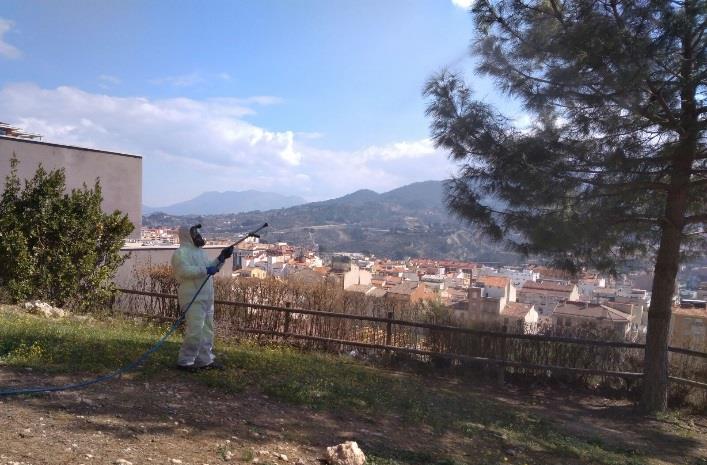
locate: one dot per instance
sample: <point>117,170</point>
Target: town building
<point>587,286</point>
<point>492,302</point>
<point>518,317</point>
<point>603,320</point>
<point>434,282</point>
<point>518,276</point>
<point>688,328</point>
<point>545,296</point>
<point>409,292</point>
<point>346,273</point>
<point>363,289</point>
<point>251,272</point>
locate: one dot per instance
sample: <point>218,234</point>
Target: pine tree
<point>614,167</point>
<point>57,246</point>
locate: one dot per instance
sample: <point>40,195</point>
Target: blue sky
<point>314,98</point>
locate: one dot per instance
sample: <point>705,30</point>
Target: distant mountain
<point>216,203</point>
<point>411,221</point>
<point>426,194</point>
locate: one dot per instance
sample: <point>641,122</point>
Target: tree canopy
<point>614,166</point>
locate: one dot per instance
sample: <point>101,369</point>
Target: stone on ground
<point>347,453</point>
<point>44,309</point>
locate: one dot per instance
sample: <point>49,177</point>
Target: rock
<point>347,453</point>
<point>300,462</point>
<point>228,456</point>
<point>44,309</point>
<point>122,462</point>
<point>175,461</point>
<point>282,457</point>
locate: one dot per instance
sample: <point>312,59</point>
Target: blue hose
<point>129,367</point>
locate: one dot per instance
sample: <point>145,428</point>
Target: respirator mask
<point>196,236</point>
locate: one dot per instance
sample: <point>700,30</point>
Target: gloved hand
<point>225,254</point>
<point>212,269</point>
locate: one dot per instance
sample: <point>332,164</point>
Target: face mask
<point>196,237</point>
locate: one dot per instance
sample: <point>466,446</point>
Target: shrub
<point>56,246</point>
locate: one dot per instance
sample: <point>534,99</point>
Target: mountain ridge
<point>410,221</point>
<point>218,203</point>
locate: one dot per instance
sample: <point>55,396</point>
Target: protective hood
<point>185,239</point>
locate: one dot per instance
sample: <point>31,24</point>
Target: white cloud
<point>263,100</point>
<point>398,150</point>
<point>210,145</point>
<point>211,130</point>
<point>190,79</point>
<point>7,50</point>
<point>109,79</point>
<point>466,4</point>
<point>181,80</point>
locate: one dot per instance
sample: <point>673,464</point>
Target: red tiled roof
<point>377,292</point>
<point>587,310</point>
<point>690,312</point>
<point>516,309</point>
<point>360,288</point>
<point>405,288</point>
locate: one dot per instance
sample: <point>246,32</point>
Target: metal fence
<point>503,352</point>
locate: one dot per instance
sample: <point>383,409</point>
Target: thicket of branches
<point>247,322</point>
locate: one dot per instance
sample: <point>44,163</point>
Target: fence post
<point>500,367</point>
<point>287,318</point>
<point>389,329</point>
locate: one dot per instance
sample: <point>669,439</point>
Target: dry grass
<point>237,320</point>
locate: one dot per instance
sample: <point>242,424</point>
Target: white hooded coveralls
<point>189,266</point>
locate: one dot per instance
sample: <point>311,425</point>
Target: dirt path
<point>171,419</point>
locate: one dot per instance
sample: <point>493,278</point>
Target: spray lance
<point>253,233</point>
<point>222,256</point>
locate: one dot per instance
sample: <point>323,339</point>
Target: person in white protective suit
<point>191,266</point>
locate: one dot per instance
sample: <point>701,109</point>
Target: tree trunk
<point>655,379</point>
<point>655,368</point>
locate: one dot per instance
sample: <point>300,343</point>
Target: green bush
<point>56,246</point>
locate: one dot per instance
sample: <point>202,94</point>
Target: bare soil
<point>171,418</point>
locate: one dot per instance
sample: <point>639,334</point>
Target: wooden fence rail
<point>413,338</point>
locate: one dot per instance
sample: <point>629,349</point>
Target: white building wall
<point>143,257</point>
<point>495,292</point>
<point>120,174</point>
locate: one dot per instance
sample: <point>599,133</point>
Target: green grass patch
<point>318,380</point>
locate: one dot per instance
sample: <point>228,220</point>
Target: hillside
<point>214,203</point>
<point>411,221</point>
